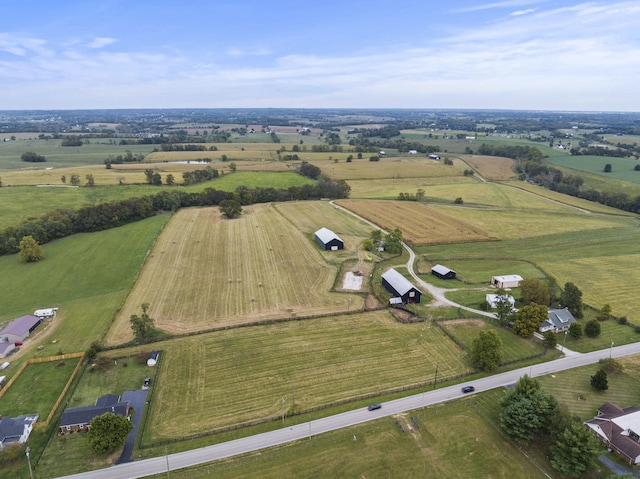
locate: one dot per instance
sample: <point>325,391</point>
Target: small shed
<point>508,281</point>
<point>443,272</point>
<point>328,240</point>
<point>153,358</point>
<point>400,287</point>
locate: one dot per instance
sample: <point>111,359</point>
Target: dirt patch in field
<point>453,322</point>
<point>403,316</point>
<point>371,303</point>
<point>352,281</point>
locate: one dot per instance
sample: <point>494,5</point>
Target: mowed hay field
<point>387,167</point>
<point>207,272</point>
<point>494,168</point>
<point>420,224</point>
<point>239,375</point>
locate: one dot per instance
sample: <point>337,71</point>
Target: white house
<point>508,281</point>
<point>558,322</point>
<point>492,299</point>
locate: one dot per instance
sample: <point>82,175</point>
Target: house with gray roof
<point>16,429</point>
<point>400,287</point>
<point>558,321</point>
<point>79,418</point>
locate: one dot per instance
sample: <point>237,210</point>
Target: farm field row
<point>387,167</point>
<point>257,267</point>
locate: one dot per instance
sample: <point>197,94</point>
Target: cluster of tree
<point>391,242</point>
<point>332,138</point>
<point>309,170</point>
<point>183,147</point>
<point>387,131</point>
<point>368,144</point>
<point>32,157</point>
<point>142,325</point>
<point>128,157</point>
<point>600,151</point>
<point>65,222</point>
<point>326,148</point>
<point>199,176</point>
<point>418,196</point>
<point>515,152</point>
<point>527,414</point>
<point>293,157</point>
<point>72,140</point>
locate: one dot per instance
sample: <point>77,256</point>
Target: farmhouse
<point>508,281</point>
<point>492,299</point>
<point>79,418</point>
<point>19,329</point>
<point>328,240</point>
<point>16,429</point>
<point>558,322</point>
<point>443,272</point>
<point>400,287</point>
<point>619,430</point>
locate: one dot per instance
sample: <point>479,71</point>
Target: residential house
<point>618,429</point>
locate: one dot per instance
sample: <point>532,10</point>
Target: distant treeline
<point>65,222</point>
<point>531,168</point>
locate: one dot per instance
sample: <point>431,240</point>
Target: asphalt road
<point>171,462</point>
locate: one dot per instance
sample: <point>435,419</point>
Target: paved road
<point>159,465</point>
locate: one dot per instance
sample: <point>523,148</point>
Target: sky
<point>512,54</point>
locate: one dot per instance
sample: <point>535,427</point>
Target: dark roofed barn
<point>400,287</point>
<point>443,272</point>
<point>328,240</point>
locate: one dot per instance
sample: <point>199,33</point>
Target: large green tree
<point>108,432</point>
<point>486,351</point>
<point>575,450</point>
<point>30,250</point>
<point>393,242</point>
<point>32,157</point>
<point>532,290</point>
<point>527,411</point>
<point>571,298</point>
<point>141,325</point>
<point>599,380</point>
<point>529,318</point>
<point>230,209</point>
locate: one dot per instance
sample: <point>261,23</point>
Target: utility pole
<point>611,350</point>
<point>435,378</point>
<point>283,411</point>
<point>29,461</point>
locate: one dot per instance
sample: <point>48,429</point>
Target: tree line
<point>65,222</point>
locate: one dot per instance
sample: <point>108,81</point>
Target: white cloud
<point>523,12</point>
<point>238,52</point>
<point>490,6</point>
<point>101,42</point>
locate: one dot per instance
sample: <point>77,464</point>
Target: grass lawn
<point>513,347</point>
<point>37,389</point>
<point>453,441</point>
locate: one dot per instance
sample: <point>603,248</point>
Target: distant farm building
<point>328,240</point>
<point>400,287</point>
<point>558,322</point>
<point>413,152</point>
<point>508,281</point>
<point>16,332</point>
<point>153,358</point>
<point>443,272</point>
<point>16,429</point>
<point>434,157</point>
<point>493,299</point>
<point>79,418</point>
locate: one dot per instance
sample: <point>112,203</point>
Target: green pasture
<point>476,272</point>
<point>609,331</point>
<point>62,156</point>
<point>246,372</point>
<point>453,440</point>
<point>621,168</point>
<point>513,347</point>
<point>37,389</point>
<point>592,259</point>
<point>390,188</point>
<point>573,388</point>
<point>87,276</point>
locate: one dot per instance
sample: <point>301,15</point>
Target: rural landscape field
<point>258,326</point>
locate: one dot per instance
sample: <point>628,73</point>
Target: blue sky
<point>512,54</point>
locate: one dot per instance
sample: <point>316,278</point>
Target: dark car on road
<point>373,407</point>
<point>468,389</point>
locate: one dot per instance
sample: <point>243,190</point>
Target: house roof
<point>398,282</point>
<point>443,270</point>
<point>327,235</point>
<point>84,415</point>
<point>20,326</point>
<point>6,346</point>
<point>559,318</point>
<point>108,400</point>
<point>154,355</point>
<point>614,424</point>
<point>12,428</point>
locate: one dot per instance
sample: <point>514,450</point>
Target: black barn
<point>328,240</point>
<point>443,272</point>
<point>400,287</point>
